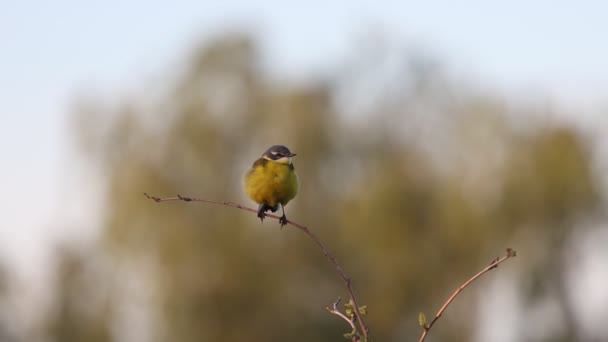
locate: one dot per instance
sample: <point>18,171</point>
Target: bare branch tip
<point>511,252</point>
<point>148,196</point>
<point>336,303</point>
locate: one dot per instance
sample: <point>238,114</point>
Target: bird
<point>272,181</point>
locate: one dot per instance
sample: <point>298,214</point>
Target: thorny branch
<point>347,282</point>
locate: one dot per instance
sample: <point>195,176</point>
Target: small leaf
<point>363,310</point>
<point>350,335</point>
<point>422,319</point>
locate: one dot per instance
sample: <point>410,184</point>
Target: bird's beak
<point>292,155</point>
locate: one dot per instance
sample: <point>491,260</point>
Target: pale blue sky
<point>50,50</point>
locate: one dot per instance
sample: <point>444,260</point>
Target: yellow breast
<point>269,182</point>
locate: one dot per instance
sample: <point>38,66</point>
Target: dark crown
<point>277,152</point>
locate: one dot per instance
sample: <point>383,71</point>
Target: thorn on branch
<point>336,303</point>
<point>493,263</point>
<point>185,199</point>
<point>155,199</point>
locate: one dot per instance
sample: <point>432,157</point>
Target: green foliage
<point>405,228</point>
<point>349,309</point>
<point>422,319</point>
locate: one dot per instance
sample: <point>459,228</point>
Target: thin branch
<point>326,252</point>
<point>334,310</point>
<point>425,328</point>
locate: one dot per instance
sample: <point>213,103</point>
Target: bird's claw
<point>283,220</point>
<point>262,213</point>
<point>262,216</point>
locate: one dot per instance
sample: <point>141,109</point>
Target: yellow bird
<point>272,180</point>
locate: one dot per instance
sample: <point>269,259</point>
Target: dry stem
<point>343,276</point>
<point>425,328</point>
<point>334,310</point>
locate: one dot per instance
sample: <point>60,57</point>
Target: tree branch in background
<point>422,318</point>
<point>357,313</point>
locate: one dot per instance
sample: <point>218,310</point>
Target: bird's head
<point>279,154</point>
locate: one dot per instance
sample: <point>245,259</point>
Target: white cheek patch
<point>284,160</point>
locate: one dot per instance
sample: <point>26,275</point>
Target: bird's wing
<point>260,162</point>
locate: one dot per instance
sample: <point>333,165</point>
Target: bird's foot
<point>283,220</point>
<point>262,216</point>
<point>262,212</point>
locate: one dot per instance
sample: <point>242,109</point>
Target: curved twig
<point>426,327</point>
<point>335,311</point>
<point>339,270</point>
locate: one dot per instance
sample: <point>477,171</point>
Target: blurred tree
<point>81,307</point>
<point>7,316</point>
<point>401,208</point>
<point>548,186</point>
